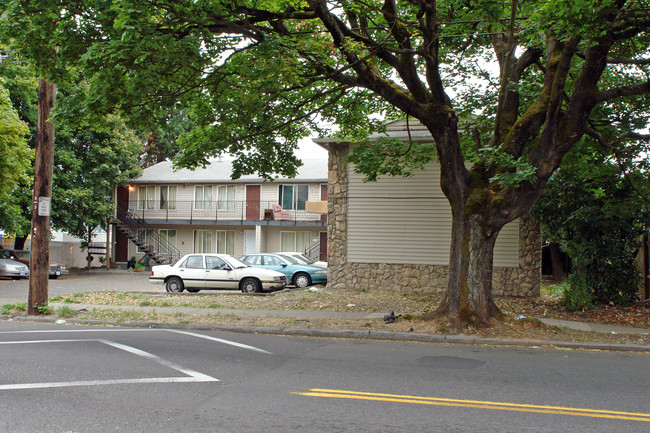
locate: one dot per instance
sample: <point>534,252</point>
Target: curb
<point>351,334</point>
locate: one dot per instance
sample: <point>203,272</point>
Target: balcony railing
<point>220,211</point>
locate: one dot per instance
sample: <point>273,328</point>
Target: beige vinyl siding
<point>408,220</point>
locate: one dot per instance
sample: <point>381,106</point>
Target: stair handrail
<point>161,246</point>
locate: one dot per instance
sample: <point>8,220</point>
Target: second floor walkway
<point>226,213</point>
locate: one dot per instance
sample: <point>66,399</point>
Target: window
<point>226,197</point>
<point>203,197</point>
<point>295,241</point>
<point>168,235</point>
<point>146,197</point>
<point>203,241</point>
<point>293,197</point>
<point>273,261</point>
<point>145,238</point>
<point>212,262</point>
<point>168,196</point>
<point>194,262</point>
<point>226,242</point>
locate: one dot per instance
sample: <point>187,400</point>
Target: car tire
<point>53,277</point>
<point>250,285</point>
<point>301,280</point>
<point>174,285</point>
<point>193,290</point>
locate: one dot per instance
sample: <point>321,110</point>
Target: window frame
<point>297,193</point>
<point>146,197</point>
<point>169,201</point>
<point>227,203</point>
<point>203,203</point>
<point>306,241</point>
<point>223,245</point>
<point>201,249</point>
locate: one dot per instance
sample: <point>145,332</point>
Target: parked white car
<point>194,272</point>
<point>304,258</point>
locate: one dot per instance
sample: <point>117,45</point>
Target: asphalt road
<point>12,291</point>
<point>63,378</point>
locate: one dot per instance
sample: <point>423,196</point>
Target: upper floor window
<point>226,197</point>
<point>203,197</point>
<point>293,197</point>
<point>168,195</point>
<point>146,196</point>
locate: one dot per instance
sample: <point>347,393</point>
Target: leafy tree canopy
<point>88,163</point>
<point>510,85</point>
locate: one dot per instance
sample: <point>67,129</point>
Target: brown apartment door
<point>121,242</point>
<point>323,246</point>
<point>253,202</point>
<point>323,197</point>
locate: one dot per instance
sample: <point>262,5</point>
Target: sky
<point>307,149</point>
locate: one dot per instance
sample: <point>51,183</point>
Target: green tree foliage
<point>15,158</point>
<point>22,85</point>
<point>88,163</point>
<point>255,76</point>
<point>596,207</point>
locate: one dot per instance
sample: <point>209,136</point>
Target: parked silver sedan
<point>13,269</point>
<point>195,272</point>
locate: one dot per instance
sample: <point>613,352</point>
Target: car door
<point>193,272</point>
<point>219,275</point>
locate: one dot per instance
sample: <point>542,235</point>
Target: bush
<point>577,295</point>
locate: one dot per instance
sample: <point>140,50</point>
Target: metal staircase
<point>153,245</point>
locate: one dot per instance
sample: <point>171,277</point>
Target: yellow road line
<point>558,410</point>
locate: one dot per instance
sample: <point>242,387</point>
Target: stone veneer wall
<point>521,281</point>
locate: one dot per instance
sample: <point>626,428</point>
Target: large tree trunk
<point>469,292</point>
<point>480,251</point>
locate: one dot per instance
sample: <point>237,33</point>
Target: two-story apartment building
<point>396,233</point>
<point>168,213</point>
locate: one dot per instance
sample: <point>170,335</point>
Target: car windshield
<point>306,259</point>
<point>290,259</point>
<point>235,263</point>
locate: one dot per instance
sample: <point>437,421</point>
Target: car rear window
<point>194,262</point>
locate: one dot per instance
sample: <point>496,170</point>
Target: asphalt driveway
<point>12,291</point>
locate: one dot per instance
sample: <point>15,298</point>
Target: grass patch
<point>66,312</point>
<point>146,303</point>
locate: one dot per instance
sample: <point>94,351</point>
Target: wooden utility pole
<point>42,200</point>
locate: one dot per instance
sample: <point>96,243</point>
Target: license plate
<point>22,273</point>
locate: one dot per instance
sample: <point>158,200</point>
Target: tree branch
<point>618,92</point>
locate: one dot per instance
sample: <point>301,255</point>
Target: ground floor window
<point>167,238</point>
<point>203,241</point>
<point>295,241</point>
<point>226,242</point>
<point>145,238</point>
